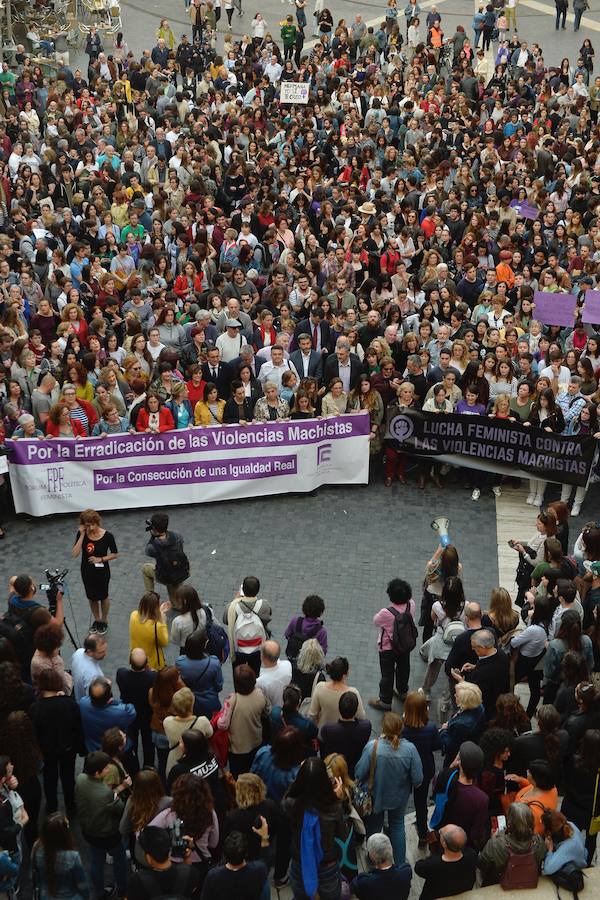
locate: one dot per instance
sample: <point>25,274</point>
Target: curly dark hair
<point>48,638</point>
<point>18,741</point>
<point>193,803</point>
<point>510,715</point>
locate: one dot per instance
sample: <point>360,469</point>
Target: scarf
<point>311,852</point>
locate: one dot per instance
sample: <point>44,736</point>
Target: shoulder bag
<point>594,826</point>
<point>362,799</point>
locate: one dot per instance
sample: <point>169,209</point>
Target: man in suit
<point>490,672</point>
<point>318,329</point>
<point>306,361</point>
<point>162,145</point>
<point>343,364</point>
<point>218,373</point>
<point>441,281</point>
<point>247,357</point>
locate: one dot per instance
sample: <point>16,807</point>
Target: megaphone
<point>441,525</point>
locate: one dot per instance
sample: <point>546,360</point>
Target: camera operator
<point>170,565</point>
<point>24,616</point>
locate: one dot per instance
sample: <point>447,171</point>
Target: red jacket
<point>78,429</point>
<point>182,286</point>
<point>165,420</point>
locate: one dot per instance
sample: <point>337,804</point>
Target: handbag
<point>594,826</point>
<point>362,798</point>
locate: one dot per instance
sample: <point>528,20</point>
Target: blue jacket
<point>465,725</point>
<point>397,772</point>
<point>570,851</point>
<point>205,678</point>
<point>96,720</point>
<point>277,780</point>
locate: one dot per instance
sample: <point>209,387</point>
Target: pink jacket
<point>384,620</point>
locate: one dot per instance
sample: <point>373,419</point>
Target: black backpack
<point>404,634</point>
<point>570,877</point>
<point>172,565</point>
<point>217,640</point>
<point>180,889</point>
<point>298,637</point>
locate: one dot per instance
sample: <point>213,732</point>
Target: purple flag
<point>525,209</point>
<point>591,308</point>
<point>554,309</point>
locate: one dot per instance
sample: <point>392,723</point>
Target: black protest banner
<point>493,444</point>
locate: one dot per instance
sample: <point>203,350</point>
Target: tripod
<point>53,589</point>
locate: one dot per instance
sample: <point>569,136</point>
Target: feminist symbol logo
<point>401,427</point>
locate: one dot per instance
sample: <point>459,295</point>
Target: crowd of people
<point>193,791</point>
<point>180,249</point>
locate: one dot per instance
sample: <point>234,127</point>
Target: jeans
<point>578,14</point>
<point>98,857</point>
<point>65,765</point>
<point>420,797</point>
<point>392,663</point>
<point>395,830</point>
<point>561,14</point>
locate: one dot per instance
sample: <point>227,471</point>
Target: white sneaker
<point>476,494</point>
<point>497,490</point>
<point>530,499</point>
<point>576,509</point>
<point>538,500</point>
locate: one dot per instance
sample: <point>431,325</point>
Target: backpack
<point>218,642</point>
<point>404,634</point>
<point>180,889</point>
<point>521,871</point>
<point>452,631</point>
<point>248,630</point>
<point>298,637</point>
<point>172,565</point>
<point>570,877</point>
<point>16,628</point>
<point>440,801</point>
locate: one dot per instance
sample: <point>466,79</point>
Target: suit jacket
<point>332,369</point>
<point>223,379</point>
<point>304,328</point>
<point>231,413</point>
<point>315,364</point>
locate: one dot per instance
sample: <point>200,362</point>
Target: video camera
<point>54,587</point>
<point>149,525</point>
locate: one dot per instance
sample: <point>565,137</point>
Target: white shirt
<point>305,357</point>
<point>84,669</point>
<point>270,372</point>
<point>272,681</point>
<point>229,347</point>
<point>345,370</point>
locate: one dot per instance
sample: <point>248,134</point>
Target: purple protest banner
<point>591,308</point>
<point>525,210</point>
<point>554,309</point>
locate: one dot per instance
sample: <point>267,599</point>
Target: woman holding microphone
<point>97,548</point>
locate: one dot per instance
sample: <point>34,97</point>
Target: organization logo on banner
<point>55,476</point>
<point>324,454</point>
<point>401,428</point>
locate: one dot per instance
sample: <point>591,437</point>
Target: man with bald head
<point>134,683</point>
<point>275,673</point>
<point>462,651</point>
<point>453,871</point>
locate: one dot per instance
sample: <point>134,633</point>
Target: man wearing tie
<point>317,328</point>
<point>217,372</point>
<point>307,362</point>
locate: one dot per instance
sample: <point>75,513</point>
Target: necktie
<point>315,336</point>
<point>214,373</point>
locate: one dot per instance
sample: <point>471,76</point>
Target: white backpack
<point>248,630</point>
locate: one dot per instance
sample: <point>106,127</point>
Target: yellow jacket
<point>203,415</point>
<point>147,635</point>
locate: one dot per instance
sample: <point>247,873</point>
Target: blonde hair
<point>501,612</point>
<point>250,790</point>
<point>337,767</point>
<point>468,696</point>
<point>182,703</point>
<point>391,728</point>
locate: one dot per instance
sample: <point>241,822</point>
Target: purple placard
<point>193,440</point>
<point>525,210</point>
<point>591,308</point>
<point>207,471</point>
<point>554,309</point>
